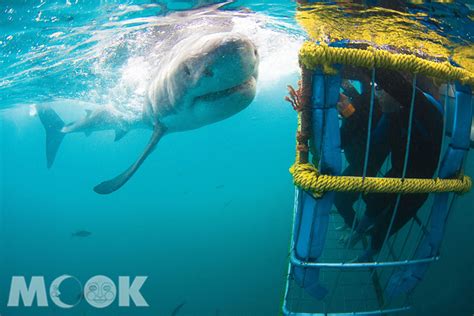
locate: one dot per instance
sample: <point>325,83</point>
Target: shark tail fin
<point>52,124</point>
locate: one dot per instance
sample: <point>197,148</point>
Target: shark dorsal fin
<point>88,112</point>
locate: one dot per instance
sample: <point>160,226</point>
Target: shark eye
<point>208,72</point>
<point>186,70</point>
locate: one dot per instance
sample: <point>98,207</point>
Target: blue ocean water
<point>208,216</point>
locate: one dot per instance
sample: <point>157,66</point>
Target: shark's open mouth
<point>213,96</point>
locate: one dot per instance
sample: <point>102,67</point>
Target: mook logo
<point>99,292</point>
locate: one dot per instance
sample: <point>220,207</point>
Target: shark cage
<point>381,142</point>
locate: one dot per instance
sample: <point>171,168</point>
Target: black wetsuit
<point>423,155</point>
<point>354,142</point>
<point>422,160</point>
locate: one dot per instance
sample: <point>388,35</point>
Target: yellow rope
<point>313,55</point>
<point>307,177</point>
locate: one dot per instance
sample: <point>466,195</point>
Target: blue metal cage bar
<point>311,216</point>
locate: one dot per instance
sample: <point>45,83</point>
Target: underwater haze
<point>208,217</point>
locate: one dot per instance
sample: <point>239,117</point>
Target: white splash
<point>277,43</point>
<point>32,110</point>
<point>56,34</point>
<point>134,73</point>
<point>278,49</point>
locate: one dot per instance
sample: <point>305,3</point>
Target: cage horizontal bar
<point>307,177</point>
<point>286,312</point>
<point>356,265</point>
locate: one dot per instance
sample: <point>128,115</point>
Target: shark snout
<point>243,51</point>
<point>214,78</point>
<point>231,60</point>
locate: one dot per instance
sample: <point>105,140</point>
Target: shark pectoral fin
<point>88,113</point>
<point>88,133</point>
<point>119,134</point>
<point>114,184</point>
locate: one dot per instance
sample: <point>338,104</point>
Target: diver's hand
<point>294,97</point>
<point>344,106</point>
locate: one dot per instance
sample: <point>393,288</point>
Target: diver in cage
<point>354,109</point>
<point>394,94</point>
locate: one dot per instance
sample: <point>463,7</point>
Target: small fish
<point>220,186</point>
<point>177,309</point>
<point>81,233</point>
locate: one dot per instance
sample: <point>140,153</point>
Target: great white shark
<point>205,77</point>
